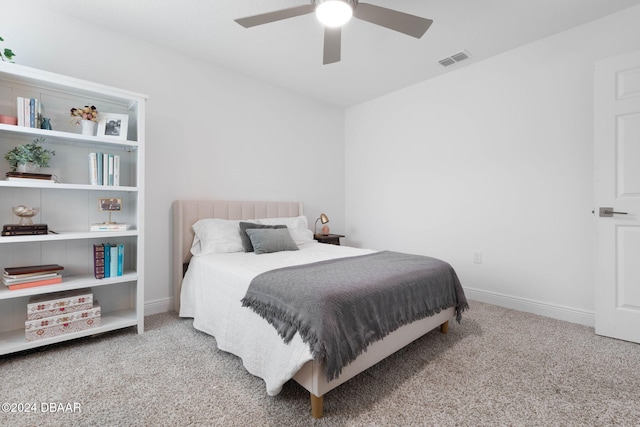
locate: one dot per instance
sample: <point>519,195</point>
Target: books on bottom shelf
<point>15,278</point>
<point>108,260</point>
<point>104,169</point>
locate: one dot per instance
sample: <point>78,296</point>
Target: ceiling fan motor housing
<point>334,13</point>
<point>352,3</point>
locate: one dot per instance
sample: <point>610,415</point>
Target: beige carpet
<point>498,367</point>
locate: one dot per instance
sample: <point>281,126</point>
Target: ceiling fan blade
<point>332,45</point>
<point>278,15</point>
<point>410,25</point>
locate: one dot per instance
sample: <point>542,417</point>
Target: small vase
<point>88,127</point>
<point>27,168</point>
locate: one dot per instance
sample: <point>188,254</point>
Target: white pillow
<point>297,225</point>
<point>214,235</point>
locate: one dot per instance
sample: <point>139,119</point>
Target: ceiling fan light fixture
<point>334,13</point>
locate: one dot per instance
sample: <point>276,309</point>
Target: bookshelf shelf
<point>57,137</point>
<point>70,205</point>
<point>14,340</point>
<point>64,186</point>
<point>69,235</point>
<point>69,283</point>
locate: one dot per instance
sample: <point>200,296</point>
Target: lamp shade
<point>323,219</point>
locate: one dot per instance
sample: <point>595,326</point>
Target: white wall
<point>210,133</point>
<point>494,157</point>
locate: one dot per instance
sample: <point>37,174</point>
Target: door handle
<point>608,212</point>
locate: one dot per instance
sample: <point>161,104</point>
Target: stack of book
<point>24,230</point>
<point>108,260</point>
<point>29,112</point>
<point>31,276</point>
<point>29,177</point>
<point>57,313</point>
<point>109,226</point>
<point>104,169</point>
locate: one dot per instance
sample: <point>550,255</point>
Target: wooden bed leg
<point>444,328</point>
<point>317,404</point>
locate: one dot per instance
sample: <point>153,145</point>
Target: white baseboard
<point>568,314</point>
<point>158,306</point>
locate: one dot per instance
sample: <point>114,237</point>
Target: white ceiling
<point>375,60</point>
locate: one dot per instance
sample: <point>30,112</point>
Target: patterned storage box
<point>57,303</point>
<point>57,325</point>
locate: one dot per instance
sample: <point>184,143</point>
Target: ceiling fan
<point>334,13</point>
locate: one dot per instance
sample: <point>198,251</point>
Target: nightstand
<point>332,239</point>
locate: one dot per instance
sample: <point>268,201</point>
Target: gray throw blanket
<point>341,306</point>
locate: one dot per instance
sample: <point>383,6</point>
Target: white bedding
<point>211,292</point>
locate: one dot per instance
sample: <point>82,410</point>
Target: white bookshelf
<point>69,206</point>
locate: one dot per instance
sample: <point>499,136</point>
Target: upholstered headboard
<point>187,212</point>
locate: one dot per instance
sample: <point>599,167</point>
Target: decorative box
<point>57,303</point>
<point>57,325</point>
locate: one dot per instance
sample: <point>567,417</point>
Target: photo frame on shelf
<point>109,204</point>
<point>113,125</point>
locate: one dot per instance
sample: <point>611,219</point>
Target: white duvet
<point>211,292</point>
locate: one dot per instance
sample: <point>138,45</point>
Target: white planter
<point>28,168</point>
<point>89,127</point>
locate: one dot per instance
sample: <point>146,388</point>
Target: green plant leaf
<point>29,153</point>
<point>9,53</point>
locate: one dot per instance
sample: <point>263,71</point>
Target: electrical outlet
<point>477,257</point>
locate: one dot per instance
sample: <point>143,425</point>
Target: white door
<point>617,189</point>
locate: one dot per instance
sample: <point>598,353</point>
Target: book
<point>33,269</point>
<point>38,114</point>
<point>27,275</point>
<point>115,226</point>
<point>116,170</point>
<point>110,176</point>
<point>24,233</point>
<point>20,110</point>
<point>26,112</point>
<point>29,175</point>
<point>18,227</point>
<point>113,266</point>
<point>32,112</point>
<point>120,259</point>
<point>98,261</point>
<point>93,169</point>
<point>30,278</point>
<point>107,259</point>
<point>105,169</point>
<point>100,162</point>
<point>35,283</point>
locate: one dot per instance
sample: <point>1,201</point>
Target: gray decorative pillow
<point>244,226</point>
<point>267,240</point>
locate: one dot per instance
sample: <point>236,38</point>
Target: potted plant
<point>29,157</point>
<point>87,117</point>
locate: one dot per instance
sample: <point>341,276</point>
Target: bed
<point>210,289</point>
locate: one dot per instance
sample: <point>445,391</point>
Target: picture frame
<point>113,125</point>
<point>109,204</point>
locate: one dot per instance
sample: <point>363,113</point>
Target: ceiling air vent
<point>446,62</point>
<point>456,57</point>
